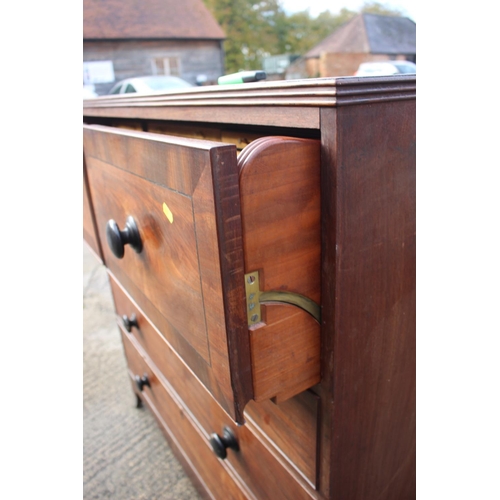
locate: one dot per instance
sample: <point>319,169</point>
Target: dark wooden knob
<point>128,323</point>
<point>117,239</point>
<point>140,382</point>
<point>221,444</point>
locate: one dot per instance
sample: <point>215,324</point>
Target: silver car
<point>149,84</point>
<point>381,68</point>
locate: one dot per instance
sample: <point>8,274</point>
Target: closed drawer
<point>182,221</point>
<point>193,415</point>
<point>290,428</point>
<point>189,442</point>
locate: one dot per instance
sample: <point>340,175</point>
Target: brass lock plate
<point>252,289</point>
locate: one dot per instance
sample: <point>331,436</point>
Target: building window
<point>166,66</point>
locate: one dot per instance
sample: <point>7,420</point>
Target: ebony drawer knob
<point>221,444</point>
<point>128,323</point>
<point>117,239</point>
<point>140,382</point>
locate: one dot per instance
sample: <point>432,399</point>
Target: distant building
<point>127,38</point>
<point>367,37</point>
<point>276,66</point>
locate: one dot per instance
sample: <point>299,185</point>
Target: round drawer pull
<point>220,444</point>
<point>140,382</point>
<point>128,323</point>
<point>117,239</point>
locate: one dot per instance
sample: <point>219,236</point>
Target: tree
<point>378,8</point>
<point>254,29</point>
<point>259,28</point>
<point>304,32</point>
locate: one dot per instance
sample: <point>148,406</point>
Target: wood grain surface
<point>294,104</point>
<point>342,234</point>
<point>295,117</point>
<point>189,443</point>
<point>280,208</point>
<point>369,299</point>
<point>265,477</point>
<point>189,274</point>
<point>89,224</point>
<point>292,427</point>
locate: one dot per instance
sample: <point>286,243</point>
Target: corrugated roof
<point>371,34</point>
<point>139,19</point>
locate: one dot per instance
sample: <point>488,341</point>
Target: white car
<point>385,68</point>
<point>148,84</point>
<point>89,92</point>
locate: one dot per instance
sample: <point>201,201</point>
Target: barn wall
<point>133,58</point>
<point>346,64</point>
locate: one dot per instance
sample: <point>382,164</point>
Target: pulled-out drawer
<point>252,467</point>
<point>228,272</point>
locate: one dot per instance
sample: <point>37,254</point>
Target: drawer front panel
<point>160,351</point>
<point>167,270</point>
<point>187,274</point>
<point>188,441</point>
<point>253,466</point>
<point>292,427</point>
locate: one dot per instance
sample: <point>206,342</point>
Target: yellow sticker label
<point>168,213</point>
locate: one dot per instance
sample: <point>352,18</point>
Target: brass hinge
<point>255,297</point>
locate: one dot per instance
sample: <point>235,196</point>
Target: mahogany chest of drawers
<point>260,245</point>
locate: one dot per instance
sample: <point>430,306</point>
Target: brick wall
<point>345,64</point>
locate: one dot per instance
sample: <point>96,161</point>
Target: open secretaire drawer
<point>220,251</point>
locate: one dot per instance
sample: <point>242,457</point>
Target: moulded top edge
<point>289,89</point>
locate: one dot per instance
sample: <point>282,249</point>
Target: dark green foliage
<point>257,29</point>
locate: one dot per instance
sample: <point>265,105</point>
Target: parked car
<point>385,68</point>
<point>148,84</point>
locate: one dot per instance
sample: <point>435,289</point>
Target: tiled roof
<point>157,19</point>
<point>371,34</point>
<point>390,34</point>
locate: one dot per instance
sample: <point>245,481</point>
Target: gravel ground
<point>125,455</point>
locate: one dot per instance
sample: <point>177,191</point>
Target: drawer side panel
<point>280,206</point>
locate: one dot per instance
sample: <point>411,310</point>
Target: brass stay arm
<point>255,297</point>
